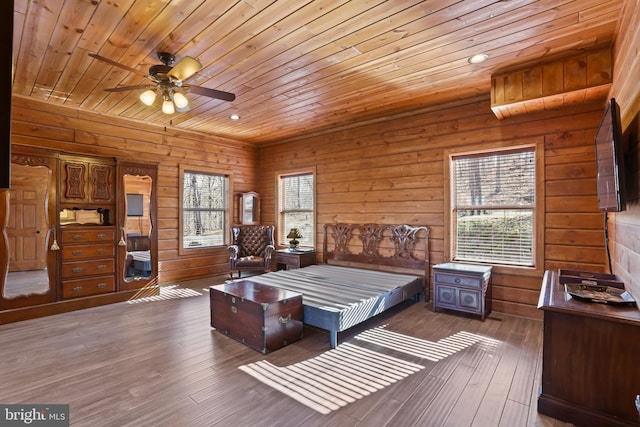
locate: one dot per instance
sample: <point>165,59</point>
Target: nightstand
<point>462,287</point>
<point>286,259</point>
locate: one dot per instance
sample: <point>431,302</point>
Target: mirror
<point>250,208</point>
<point>137,227</point>
<point>27,230</point>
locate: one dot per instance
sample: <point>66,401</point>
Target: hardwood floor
<point>157,362</point>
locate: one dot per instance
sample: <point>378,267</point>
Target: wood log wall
<point>625,226</point>
<point>392,172</point>
<point>66,130</point>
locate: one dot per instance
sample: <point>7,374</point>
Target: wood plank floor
<point>158,362</point>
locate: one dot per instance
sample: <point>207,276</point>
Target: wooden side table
<point>287,259</point>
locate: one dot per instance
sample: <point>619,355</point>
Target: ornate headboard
<point>377,246</point>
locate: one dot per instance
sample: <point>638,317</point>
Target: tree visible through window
<point>204,209</point>
<point>296,206</point>
<point>493,207</point>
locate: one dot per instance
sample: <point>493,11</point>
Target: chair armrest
<point>268,251</point>
<point>233,251</point>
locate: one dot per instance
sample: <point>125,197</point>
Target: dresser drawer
<point>83,268</point>
<point>88,235</point>
<point>90,286</point>
<point>458,279</point>
<point>78,252</point>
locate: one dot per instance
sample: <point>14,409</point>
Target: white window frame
<point>182,250</point>
<point>309,236</point>
<point>537,145</point>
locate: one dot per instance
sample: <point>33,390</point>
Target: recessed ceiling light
<point>476,59</point>
<point>234,117</point>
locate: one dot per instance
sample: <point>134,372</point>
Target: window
<point>296,208</point>
<point>493,200</point>
<point>204,210</point>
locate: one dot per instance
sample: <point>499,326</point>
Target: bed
<point>366,269</point>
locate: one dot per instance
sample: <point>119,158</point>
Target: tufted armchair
<point>251,248</point>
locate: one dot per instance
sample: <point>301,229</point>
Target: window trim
<point>228,210</point>
<point>539,210</point>
<point>280,232</point>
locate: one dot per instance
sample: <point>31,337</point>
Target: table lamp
<point>294,234</point>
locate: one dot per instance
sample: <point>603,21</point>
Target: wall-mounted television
<point>135,205</point>
<point>610,161</point>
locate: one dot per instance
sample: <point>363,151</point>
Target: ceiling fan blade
<point>211,93</point>
<point>117,64</point>
<point>126,88</point>
<point>185,68</point>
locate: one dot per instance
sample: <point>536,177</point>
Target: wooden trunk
<point>263,317</point>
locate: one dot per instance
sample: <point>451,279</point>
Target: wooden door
<point>27,228</point>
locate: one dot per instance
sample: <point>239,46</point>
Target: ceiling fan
<point>168,82</point>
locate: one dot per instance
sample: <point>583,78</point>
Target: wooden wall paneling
<point>64,129</point>
<point>552,84</point>
<point>624,227</point>
<point>415,143</point>
<point>392,171</point>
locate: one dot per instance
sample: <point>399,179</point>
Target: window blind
<point>204,209</point>
<point>296,207</point>
<point>493,207</point>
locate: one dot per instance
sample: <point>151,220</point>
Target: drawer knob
<point>102,285</point>
<point>234,309</point>
<point>77,237</point>
<point>102,267</point>
<point>77,270</point>
<point>77,289</point>
<point>101,236</point>
<point>101,251</point>
<point>457,280</point>
<point>76,252</point>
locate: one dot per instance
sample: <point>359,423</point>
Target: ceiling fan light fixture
<point>180,100</point>
<point>167,106</point>
<point>148,97</point>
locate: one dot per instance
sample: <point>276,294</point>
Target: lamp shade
<point>147,97</point>
<point>180,100</point>
<point>167,106</point>
<point>294,233</point>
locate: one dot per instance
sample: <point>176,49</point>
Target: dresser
<point>88,260</point>
<point>590,353</point>
<point>462,287</point>
<point>72,238</point>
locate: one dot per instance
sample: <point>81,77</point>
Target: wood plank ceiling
<point>296,67</point>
